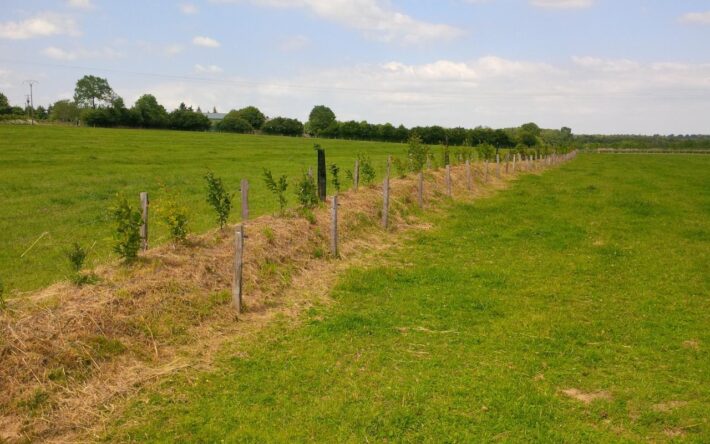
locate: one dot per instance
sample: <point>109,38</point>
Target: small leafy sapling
<point>77,257</point>
<point>400,166</point>
<point>218,198</point>
<point>306,191</point>
<point>417,153</point>
<point>335,177</point>
<point>367,171</point>
<point>277,187</point>
<point>175,217</point>
<point>127,235</point>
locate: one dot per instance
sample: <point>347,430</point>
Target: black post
<point>322,178</point>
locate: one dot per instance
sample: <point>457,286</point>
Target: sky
<point>597,66</point>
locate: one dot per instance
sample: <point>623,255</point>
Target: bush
<point>277,187</point>
<point>417,153</point>
<point>367,171</point>
<point>186,119</point>
<point>306,191</point>
<point>335,177</point>
<point>127,235</point>
<point>252,115</point>
<point>175,217</point>
<point>283,126</point>
<point>400,166</point>
<point>233,123</point>
<point>218,198</point>
<point>77,256</point>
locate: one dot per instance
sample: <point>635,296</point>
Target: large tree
<point>320,118</point>
<point>252,115</point>
<point>4,104</point>
<point>64,111</point>
<point>92,91</point>
<point>148,113</point>
<point>233,122</point>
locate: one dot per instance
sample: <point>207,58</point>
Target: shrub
<point>335,179</point>
<point>218,198</point>
<point>128,222</point>
<point>400,166</point>
<point>306,191</point>
<point>367,171</point>
<point>185,118</point>
<point>278,188</point>
<point>77,256</point>
<point>283,126</point>
<point>252,115</point>
<point>417,153</point>
<point>234,123</point>
<point>175,217</point>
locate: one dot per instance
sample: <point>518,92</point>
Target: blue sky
<point>598,66</point>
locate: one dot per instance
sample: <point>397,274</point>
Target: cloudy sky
<point>598,66</point>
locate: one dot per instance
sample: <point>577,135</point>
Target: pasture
<point>57,183</point>
<point>572,307</point>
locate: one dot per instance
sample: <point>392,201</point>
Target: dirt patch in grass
<point>691,344</point>
<point>70,356</point>
<point>665,407</point>
<point>587,397</point>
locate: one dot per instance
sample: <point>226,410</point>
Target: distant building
<point>215,117</point>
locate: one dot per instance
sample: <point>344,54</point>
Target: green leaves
<point>127,235</point>
<point>218,198</point>
<point>277,187</point>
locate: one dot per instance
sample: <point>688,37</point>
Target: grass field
<point>572,307</point>
<point>61,180</point>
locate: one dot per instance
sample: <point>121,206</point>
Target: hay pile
<point>70,355</point>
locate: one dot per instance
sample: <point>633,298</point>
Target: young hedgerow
<point>277,187</point>
<point>218,198</point>
<point>306,191</point>
<point>335,177</point>
<point>127,235</point>
<point>175,217</point>
<point>77,256</point>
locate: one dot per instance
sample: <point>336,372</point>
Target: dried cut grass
<point>70,356</point>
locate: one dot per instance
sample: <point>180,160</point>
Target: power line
<point>31,101</point>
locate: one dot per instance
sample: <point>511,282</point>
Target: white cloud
<point>42,25</point>
<point>188,8</point>
<point>81,4</point>
<point>616,65</point>
<point>205,41</point>
<point>374,18</point>
<point>294,43</point>
<point>208,69</point>
<point>562,4</point>
<point>696,18</point>
<point>173,49</point>
<point>81,53</point>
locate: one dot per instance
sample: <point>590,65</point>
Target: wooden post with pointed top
<point>238,267</point>
<point>144,220</point>
<point>245,200</point>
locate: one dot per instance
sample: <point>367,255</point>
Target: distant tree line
<point>96,104</point>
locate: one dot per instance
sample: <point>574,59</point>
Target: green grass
<point>593,276</point>
<point>61,180</point>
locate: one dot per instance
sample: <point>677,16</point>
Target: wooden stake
<point>469,178</point>
<point>334,227</point>
<point>420,193</point>
<point>322,174</point>
<point>238,266</point>
<point>144,218</point>
<point>515,156</point>
<point>245,200</point>
<point>498,165</point>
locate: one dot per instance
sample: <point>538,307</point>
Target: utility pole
<point>30,99</point>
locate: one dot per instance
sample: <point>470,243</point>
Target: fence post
<point>469,179</point>
<point>448,180</point>
<point>334,227</point>
<point>245,200</point>
<point>498,165</point>
<point>507,162</point>
<point>238,265</point>
<point>322,174</point>
<point>144,219</point>
<point>386,196</point>
<point>515,156</point>
<point>420,190</point>
<point>356,174</point>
